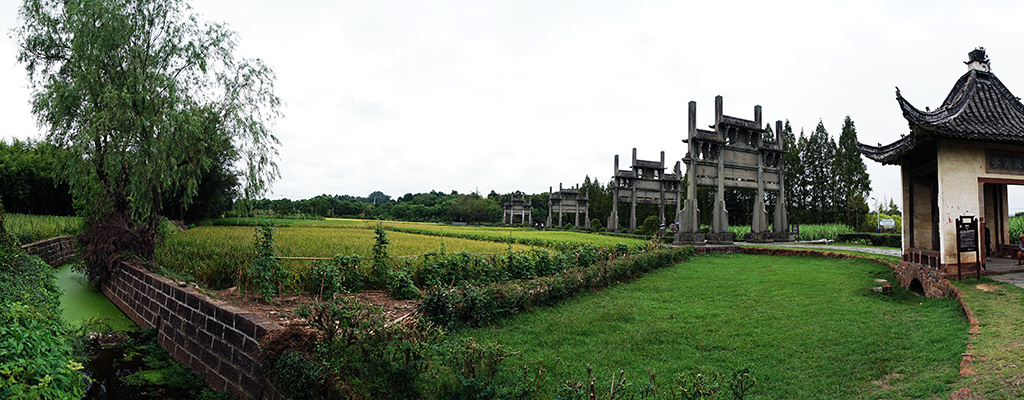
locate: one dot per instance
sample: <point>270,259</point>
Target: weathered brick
<point>174,320</point>
<point>203,338</point>
<point>167,301</point>
<point>208,309</point>
<point>243,361</point>
<point>192,300</point>
<point>250,346</point>
<point>228,371</point>
<point>196,364</point>
<point>250,386</point>
<point>265,327</point>
<point>225,315</point>
<point>233,337</point>
<point>184,312</point>
<point>215,381</point>
<point>246,323</point>
<point>221,349</point>
<point>235,388</point>
<point>211,360</point>
<point>214,327</point>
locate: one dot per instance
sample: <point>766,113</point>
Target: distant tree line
<point>31,183</point>
<point>826,182</point>
<point>29,180</point>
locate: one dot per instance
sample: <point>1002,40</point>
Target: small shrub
<point>362,355</point>
<point>298,376</point>
<point>352,276</point>
<point>267,273</point>
<point>324,279</point>
<point>650,225</point>
<point>381,260</point>
<point>400,285</point>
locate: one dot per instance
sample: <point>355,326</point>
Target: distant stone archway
<point>733,155</point>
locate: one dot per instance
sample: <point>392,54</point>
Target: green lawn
<point>806,327</point>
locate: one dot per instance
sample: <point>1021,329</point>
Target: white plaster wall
<point>908,219</point>
<point>960,164</point>
<point>922,215</point>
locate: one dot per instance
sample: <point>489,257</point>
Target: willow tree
<point>139,91</point>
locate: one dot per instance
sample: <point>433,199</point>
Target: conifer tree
<point>819,155</point>
<point>796,186</point>
<point>852,182</point>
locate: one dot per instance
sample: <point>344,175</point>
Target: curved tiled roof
<point>978,108</point>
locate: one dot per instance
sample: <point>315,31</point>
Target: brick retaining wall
<point>218,341</point>
<point>55,251</point>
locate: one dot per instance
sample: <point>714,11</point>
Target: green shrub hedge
<point>480,305</point>
<point>874,239</point>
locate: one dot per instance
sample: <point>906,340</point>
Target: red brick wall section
<point>55,251</point>
<point>932,281</point>
<point>218,341</point>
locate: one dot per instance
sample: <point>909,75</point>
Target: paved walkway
<point>1016,278</point>
<point>825,247</point>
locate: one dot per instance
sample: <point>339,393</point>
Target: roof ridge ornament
<point>977,60</point>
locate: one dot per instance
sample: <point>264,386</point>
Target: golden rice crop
<point>217,255</point>
<point>489,232</point>
<point>31,228</point>
<point>524,233</point>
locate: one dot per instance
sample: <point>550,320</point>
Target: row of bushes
<point>557,245</point>
<point>37,349</point>
<point>401,276</point>
<point>873,239</point>
<point>356,353</point>
<point>480,305</point>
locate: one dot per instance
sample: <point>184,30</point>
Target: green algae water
<point>81,303</point>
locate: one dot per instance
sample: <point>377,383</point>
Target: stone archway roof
<point>978,108</point>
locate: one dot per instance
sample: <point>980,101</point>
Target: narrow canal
<point>125,362</point>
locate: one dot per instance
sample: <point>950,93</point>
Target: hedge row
<point>548,243</point>
<point>874,239</point>
<point>354,273</point>
<point>483,304</point>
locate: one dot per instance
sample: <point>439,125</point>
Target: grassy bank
<point>805,327</point>
<point>998,349</point>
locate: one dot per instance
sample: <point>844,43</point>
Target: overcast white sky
<point>522,95</point>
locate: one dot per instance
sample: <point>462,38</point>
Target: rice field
<point>33,228</point>
<point>519,234</point>
<point>216,255</point>
<point>473,232</point>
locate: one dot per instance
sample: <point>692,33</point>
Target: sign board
<point>796,229</point>
<point>967,234</point>
<point>887,223</point>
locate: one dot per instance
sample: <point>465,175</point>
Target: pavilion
<point>957,160</point>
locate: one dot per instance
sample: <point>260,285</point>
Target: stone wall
<point>55,251</point>
<point>218,341</point>
<point>932,282</point>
